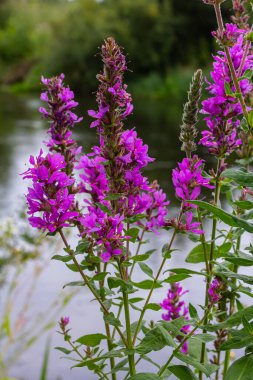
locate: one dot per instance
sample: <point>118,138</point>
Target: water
<point>21,134</point>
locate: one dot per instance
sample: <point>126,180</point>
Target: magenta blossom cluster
<point>112,173</point>
<point>188,179</point>
<point>60,103</point>
<point>222,108</point>
<point>175,307</point>
<point>214,291</point>
<point>112,97</point>
<point>50,201</point>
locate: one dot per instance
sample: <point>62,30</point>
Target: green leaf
<point>176,278</point>
<point>153,306</point>
<point>135,218</point>
<point>166,251</point>
<point>182,372</point>
<point>146,269</point>
<point>82,247</point>
<point>144,256</point>
<point>250,118</point>
<point>145,376</point>
<point>240,176</point>
<point>247,326</point>
<point>206,338</point>
<point>64,259</point>
<point>74,283</point>
<point>197,254</point>
<point>104,208</point>
<point>155,340</point>
<point>244,205</point>
<point>229,274</point>
<point>236,342</point>
<point>113,197</point>
<point>100,276</point>
<point>234,320</point>
<point>225,217</point>
<point>228,90</point>
<point>208,369</point>
<point>175,326</point>
<point>120,366</point>
<point>91,340</point>
<point>242,259</point>
<point>247,75</point>
<point>147,284</point>
<point>193,312</point>
<point>115,282</point>
<point>73,267</point>
<point>185,271</point>
<point>64,350</point>
<point>133,232</point>
<point>135,299</point>
<point>241,369</point>
<point>112,320</point>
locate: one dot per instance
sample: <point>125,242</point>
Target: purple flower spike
<point>175,308</point>
<point>114,168</point>
<point>214,291</point>
<point>50,202</point>
<point>222,109</point>
<point>60,103</point>
<point>188,179</point>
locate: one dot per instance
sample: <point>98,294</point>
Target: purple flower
<point>188,179</point>
<point>93,176</point>
<point>60,103</point>
<point>221,108</point>
<point>50,201</point>
<point>64,321</point>
<point>186,224</point>
<point>175,307</point>
<point>112,174</point>
<point>112,97</point>
<point>214,291</point>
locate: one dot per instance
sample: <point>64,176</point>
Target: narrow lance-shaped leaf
<point>224,216</point>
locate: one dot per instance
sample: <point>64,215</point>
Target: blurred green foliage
<point>63,36</point>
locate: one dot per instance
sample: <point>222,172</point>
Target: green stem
<point>153,286</point>
<point>226,363</point>
<point>203,241</point>
<point>130,275</point>
<point>137,252</point>
<point>86,281</point>
<point>128,332</point>
<point>108,331</point>
<point>83,358</point>
<point>214,226</point>
<point>231,310</point>
<point>209,266</point>
<point>163,369</point>
<point>110,348</point>
<point>124,275</point>
<point>76,350</point>
<point>218,364</point>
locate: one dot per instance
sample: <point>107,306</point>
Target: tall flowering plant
<point>110,206</point>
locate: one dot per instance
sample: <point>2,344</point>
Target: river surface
<point>21,133</point>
